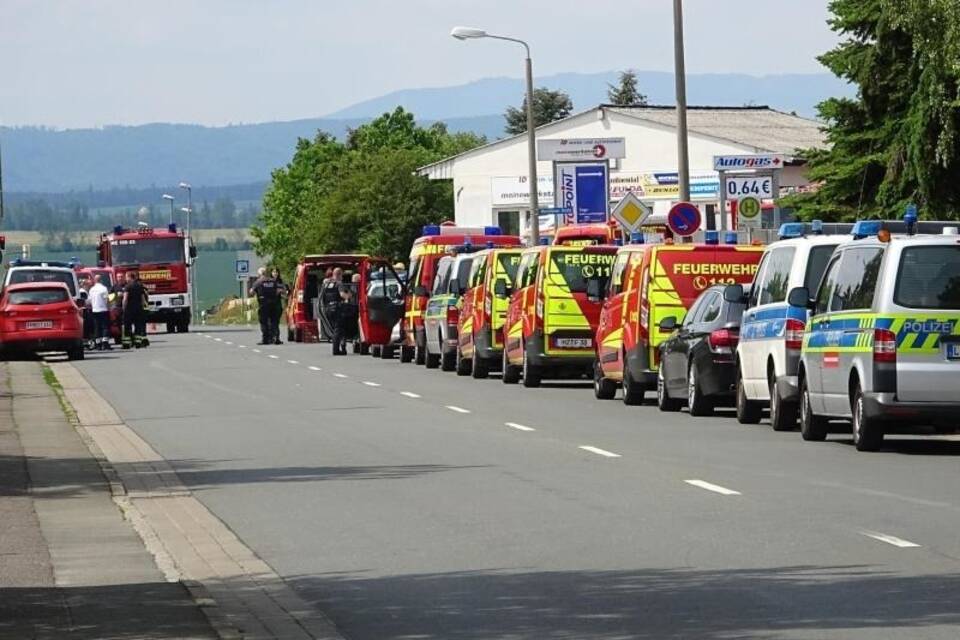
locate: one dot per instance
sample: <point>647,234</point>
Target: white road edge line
<point>519,427</point>
<point>340,375</point>
<point>293,361</point>
<point>256,350</point>
<point>894,540</point>
<point>273,356</point>
<point>713,487</point>
<point>457,409</point>
<point>599,451</point>
<point>313,368</point>
<point>410,394</point>
<point>371,384</point>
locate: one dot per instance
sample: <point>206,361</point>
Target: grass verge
<point>51,379</point>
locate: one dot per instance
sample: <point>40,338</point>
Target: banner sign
<point>567,149</point>
<point>754,162</point>
<point>663,185</point>
<point>509,191</point>
<point>584,188</point>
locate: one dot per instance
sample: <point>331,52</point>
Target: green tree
<point>626,92</point>
<point>548,106</point>
<point>897,141</point>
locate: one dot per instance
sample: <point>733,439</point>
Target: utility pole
<point>680,74</point>
<point>1,184</point>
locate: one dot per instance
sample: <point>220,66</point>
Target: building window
<point>509,221</point>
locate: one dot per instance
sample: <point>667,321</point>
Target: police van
<point>771,332</point>
<point>882,348</point>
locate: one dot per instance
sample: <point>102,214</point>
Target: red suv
<point>39,316</point>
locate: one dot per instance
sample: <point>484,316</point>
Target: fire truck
<point>163,257</point>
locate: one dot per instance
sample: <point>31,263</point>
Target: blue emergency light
<point>816,226</point>
<point>545,241</point>
<point>864,228</point>
<point>172,227</point>
<point>618,242</point>
<point>430,230</point>
<point>910,218</point>
<point>711,237</point>
<point>118,229</point>
<point>492,231</point>
<point>636,237</point>
<point>730,237</point>
<point>791,230</point>
<point>489,244</point>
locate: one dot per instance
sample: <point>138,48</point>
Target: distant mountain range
<point>37,159</point>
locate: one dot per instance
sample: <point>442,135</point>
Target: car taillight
<point>723,340</point>
<point>453,314</point>
<point>299,297</point>
<point>794,333</point>
<point>884,345</point>
<point>539,309</point>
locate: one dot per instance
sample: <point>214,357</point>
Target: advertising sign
<point>583,187</point>
<point>663,185</point>
<point>684,218</point>
<point>567,149</point>
<point>753,162</point>
<point>510,191</point>
<point>749,186</point>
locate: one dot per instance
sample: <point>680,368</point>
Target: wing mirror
<point>193,251</point>
<point>800,297</point>
<point>734,294</point>
<point>668,324</point>
<point>594,290</point>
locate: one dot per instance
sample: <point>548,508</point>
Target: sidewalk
<point>71,565</point>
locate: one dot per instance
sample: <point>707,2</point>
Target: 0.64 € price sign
<point>756,186</point>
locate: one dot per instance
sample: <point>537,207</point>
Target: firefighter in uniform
<point>268,298</point>
<point>134,312</point>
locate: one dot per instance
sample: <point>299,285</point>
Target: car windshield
<point>20,276</point>
<point>146,251</point>
<point>929,278</point>
<point>509,262</point>
<point>39,296</point>
<point>576,268</point>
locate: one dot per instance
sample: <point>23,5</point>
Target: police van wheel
<point>481,368</point>
<point>664,401</point>
<point>532,374</point>
<point>783,415</point>
<point>406,353</point>
<point>867,435</point>
<point>813,428</point>
<point>511,373</point>
<point>432,360</point>
<point>603,388</point>
<point>633,391</point>
<point>748,412</point>
<point>698,404</point>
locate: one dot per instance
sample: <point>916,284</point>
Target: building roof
<point>764,129</point>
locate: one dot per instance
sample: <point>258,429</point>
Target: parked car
<point>40,316</point>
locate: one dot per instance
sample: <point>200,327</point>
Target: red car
<point>40,316</point>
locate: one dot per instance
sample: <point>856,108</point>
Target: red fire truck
<point>164,258</point>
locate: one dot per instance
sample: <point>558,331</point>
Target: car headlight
<point>177,301</point>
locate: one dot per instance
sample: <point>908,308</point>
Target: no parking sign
<point>684,218</point>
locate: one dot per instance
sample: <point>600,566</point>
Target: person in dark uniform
<point>267,292</point>
<point>134,312</point>
<point>283,291</point>
<point>345,318</point>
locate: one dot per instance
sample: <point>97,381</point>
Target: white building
<point>490,182</point>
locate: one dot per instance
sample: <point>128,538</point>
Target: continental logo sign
<point>157,274</point>
<point>714,269</point>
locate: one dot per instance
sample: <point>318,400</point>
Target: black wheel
<point>748,412</point>
<point>420,355</point>
<point>511,373</point>
<point>812,427</point>
<point>532,374</point>
<point>183,326</point>
<point>431,360</point>
<point>603,388</point>
<point>463,366</point>
<point>481,368</point>
<point>76,353</point>
<point>375,350</point>
<point>698,404</point>
<point>664,401</point>
<point>387,351</point>
<point>290,334</point>
<point>171,327</point>
<point>633,391</point>
<point>867,434</point>
<point>406,353</point>
<point>364,349</point>
<point>783,415</point>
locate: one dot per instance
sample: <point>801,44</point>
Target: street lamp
<point>193,265</point>
<point>473,33</point>
<point>169,198</point>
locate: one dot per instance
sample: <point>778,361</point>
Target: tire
<point>375,350</point>
<point>431,360</point>
<point>462,366</point>
<point>387,351</point>
<point>532,374</point>
<point>783,415</point>
<point>76,353</point>
<point>183,326</point>
<point>481,368</point>
<point>664,401</point>
<point>813,428</point>
<point>171,327</point>
<point>364,349</point>
<point>633,391</point>
<point>748,412</point>
<point>603,388</point>
<point>406,353</point>
<point>698,404</point>
<point>511,373</point>
<point>867,434</point>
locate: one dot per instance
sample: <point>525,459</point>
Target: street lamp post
<point>193,264</point>
<point>680,75</point>
<point>468,33</point>
<point>169,198</point>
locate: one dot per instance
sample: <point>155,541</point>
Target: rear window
<point>577,268</point>
<point>463,274</point>
<point>929,278</point>
<point>816,265</point>
<point>39,296</point>
<point>20,276</point>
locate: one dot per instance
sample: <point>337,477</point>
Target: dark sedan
<point>697,360</point>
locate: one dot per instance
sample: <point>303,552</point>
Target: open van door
<point>381,299</point>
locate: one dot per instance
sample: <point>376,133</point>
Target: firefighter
<point>345,315</point>
<point>268,298</point>
<point>134,312</point>
<point>99,301</point>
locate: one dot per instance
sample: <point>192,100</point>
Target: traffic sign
<point>684,218</point>
<point>631,212</point>
<point>748,212</point>
<point>242,267</point>
<point>243,277</point>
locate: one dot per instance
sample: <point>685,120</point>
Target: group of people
<point>270,291</point>
<point>339,302</point>
<point>133,301</point>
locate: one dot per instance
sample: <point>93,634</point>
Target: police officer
<point>134,312</point>
<point>268,297</point>
<point>345,317</point>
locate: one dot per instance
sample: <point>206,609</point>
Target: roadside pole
<point>679,70</point>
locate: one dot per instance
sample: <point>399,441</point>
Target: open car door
<point>381,297</point>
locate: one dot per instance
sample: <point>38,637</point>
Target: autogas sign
<point>754,162</point>
<point>565,149</point>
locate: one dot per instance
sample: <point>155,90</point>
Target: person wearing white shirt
<point>99,298</point>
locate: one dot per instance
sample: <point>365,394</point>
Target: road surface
<point>407,503</point>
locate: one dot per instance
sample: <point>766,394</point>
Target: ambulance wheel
<point>432,360</point>
<point>633,391</point>
<point>481,368</point>
<point>387,351</point>
<point>511,373</point>
<point>664,401</point>
<point>420,355</point>
<point>448,362</point>
<point>813,428</point>
<point>375,350</point>
<point>748,412</point>
<point>698,404</point>
<point>867,434</point>
<point>532,374</point>
<point>783,415</point>
<point>364,348</point>
<point>406,353</point>
<point>603,388</point>
<point>463,366</point>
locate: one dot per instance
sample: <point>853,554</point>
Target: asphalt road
<point>408,503</point>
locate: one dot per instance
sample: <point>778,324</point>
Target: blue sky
<point>81,63</point>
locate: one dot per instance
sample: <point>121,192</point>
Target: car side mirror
<point>193,251</point>
<point>500,289</point>
<point>799,297</point>
<point>668,324</point>
<point>734,293</point>
<point>594,290</point>
<point>420,291</point>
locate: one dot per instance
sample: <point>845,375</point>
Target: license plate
<point>953,351</point>
<point>39,324</point>
<point>574,343</point>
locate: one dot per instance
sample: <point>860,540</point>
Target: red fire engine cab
<point>163,257</point>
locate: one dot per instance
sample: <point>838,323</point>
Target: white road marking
<point>457,409</point>
<point>219,339</point>
<point>713,487</point>
<point>371,384</point>
<point>313,368</point>
<point>293,361</point>
<point>519,427</point>
<point>410,394</point>
<point>273,356</point>
<point>599,451</point>
<point>256,350</point>
<point>242,346</point>
<point>340,375</point>
<point>895,541</point>
<point>227,342</point>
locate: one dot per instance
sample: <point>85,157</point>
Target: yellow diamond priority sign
<point>631,212</point>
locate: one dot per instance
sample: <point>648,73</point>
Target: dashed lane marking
<point>227,342</point>
<point>410,394</point>
<point>371,384</point>
<point>256,350</point>
<point>242,346</point>
<point>313,368</point>
<point>713,487</point>
<point>894,540</point>
<point>293,361</point>
<point>219,339</point>
<point>457,409</point>
<point>519,427</point>
<point>340,375</point>
<point>273,356</point>
<point>599,451</point>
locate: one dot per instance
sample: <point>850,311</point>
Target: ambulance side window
<point>826,286</point>
<point>618,272</point>
<point>476,271</point>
